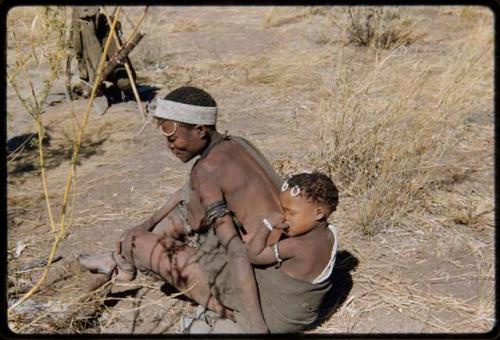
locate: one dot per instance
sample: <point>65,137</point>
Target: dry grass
<point>281,16</point>
<point>184,26</point>
<point>380,27</point>
<point>457,208</point>
<point>392,295</point>
<point>394,136</point>
<point>385,135</point>
<point>47,44</point>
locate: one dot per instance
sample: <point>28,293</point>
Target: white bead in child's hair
<point>295,191</point>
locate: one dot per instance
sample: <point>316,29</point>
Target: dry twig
<point>71,171</point>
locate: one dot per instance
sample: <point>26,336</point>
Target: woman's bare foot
<point>100,263</point>
<point>110,264</point>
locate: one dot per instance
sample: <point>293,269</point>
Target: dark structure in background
<point>89,31</point>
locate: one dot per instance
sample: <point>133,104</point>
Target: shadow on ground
<point>147,92</point>
<point>23,155</point>
<point>342,283</point>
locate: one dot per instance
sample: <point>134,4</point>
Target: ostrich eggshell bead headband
<point>295,191</point>
<point>185,113</point>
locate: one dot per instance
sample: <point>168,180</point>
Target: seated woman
<point>297,268</point>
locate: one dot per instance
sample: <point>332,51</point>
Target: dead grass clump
<point>384,136</point>
<point>184,26</point>
<point>473,211</point>
<point>280,16</point>
<point>469,15</point>
<point>473,14</point>
<point>379,27</point>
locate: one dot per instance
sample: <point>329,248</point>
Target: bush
<point>379,27</point>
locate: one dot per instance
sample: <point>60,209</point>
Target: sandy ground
<point>420,280</point>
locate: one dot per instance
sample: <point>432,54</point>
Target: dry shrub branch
<point>51,32</point>
<point>127,66</point>
<point>379,27</point>
<point>35,112</point>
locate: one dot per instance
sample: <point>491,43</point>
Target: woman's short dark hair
<point>190,95</point>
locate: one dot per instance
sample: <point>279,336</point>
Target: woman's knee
<point>173,226</point>
<point>130,240</point>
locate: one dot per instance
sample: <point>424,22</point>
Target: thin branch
<point>35,112</point>
<point>71,172</point>
<point>127,66</point>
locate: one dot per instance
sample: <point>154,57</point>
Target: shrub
<point>379,27</point>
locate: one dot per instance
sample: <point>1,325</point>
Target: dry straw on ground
<point>384,137</point>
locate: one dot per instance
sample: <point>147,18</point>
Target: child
<point>303,256</point>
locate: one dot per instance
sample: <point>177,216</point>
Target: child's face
<point>300,214</point>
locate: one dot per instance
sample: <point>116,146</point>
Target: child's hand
<point>276,219</point>
<point>273,237</point>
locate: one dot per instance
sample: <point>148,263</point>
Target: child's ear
<point>319,213</point>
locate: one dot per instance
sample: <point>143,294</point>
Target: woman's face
<point>185,143</point>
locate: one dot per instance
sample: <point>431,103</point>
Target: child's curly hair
<point>316,186</point>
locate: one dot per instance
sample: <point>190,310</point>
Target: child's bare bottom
<point>158,251</point>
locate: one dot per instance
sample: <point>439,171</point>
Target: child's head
<point>306,199</point>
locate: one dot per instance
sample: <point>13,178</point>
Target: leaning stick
<point>120,56</point>
<point>130,41</point>
<point>67,81</point>
<point>71,172</point>
<point>127,67</point>
<point>139,22</point>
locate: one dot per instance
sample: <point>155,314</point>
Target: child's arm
<point>280,251</point>
<point>257,251</point>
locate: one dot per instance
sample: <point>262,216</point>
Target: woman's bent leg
<point>175,262</point>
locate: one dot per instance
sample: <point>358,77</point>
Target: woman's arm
<point>152,221</point>
<point>240,269</point>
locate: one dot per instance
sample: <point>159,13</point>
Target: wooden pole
<point>127,68</point>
